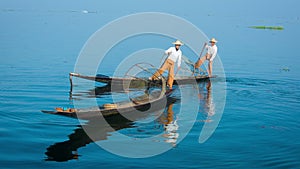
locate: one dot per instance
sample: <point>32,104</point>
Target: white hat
<point>213,40</point>
<point>177,42</point>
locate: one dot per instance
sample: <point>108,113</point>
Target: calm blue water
<point>260,128</point>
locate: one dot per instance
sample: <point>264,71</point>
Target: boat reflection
<point>67,150</point>
<point>166,123</point>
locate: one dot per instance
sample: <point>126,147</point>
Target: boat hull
<point>140,81</point>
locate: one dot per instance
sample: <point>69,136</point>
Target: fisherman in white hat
<point>210,56</point>
<point>174,55</point>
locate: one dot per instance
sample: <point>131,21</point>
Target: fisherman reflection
<point>206,98</point>
<point>170,126</point>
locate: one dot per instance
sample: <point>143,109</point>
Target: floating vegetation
<point>285,69</point>
<point>268,27</point>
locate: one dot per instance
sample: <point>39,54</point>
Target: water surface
<point>260,124</point>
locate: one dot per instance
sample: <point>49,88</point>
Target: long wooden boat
<point>67,150</point>
<point>138,81</point>
<point>142,104</point>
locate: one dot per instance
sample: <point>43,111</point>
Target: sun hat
<point>177,42</point>
<point>213,40</point>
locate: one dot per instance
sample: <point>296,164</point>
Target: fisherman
<point>174,55</point>
<point>210,56</point>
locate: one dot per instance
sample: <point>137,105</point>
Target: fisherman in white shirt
<point>210,55</point>
<point>174,55</point>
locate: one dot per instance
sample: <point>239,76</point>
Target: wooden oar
<point>202,50</point>
<point>200,55</point>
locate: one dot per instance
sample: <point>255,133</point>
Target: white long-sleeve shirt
<point>212,51</point>
<point>175,56</point>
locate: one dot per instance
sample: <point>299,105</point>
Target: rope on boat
<point>192,66</point>
<point>146,70</point>
<point>143,68</point>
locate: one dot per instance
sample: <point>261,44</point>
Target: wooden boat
<point>138,81</point>
<point>67,150</point>
<point>141,104</point>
